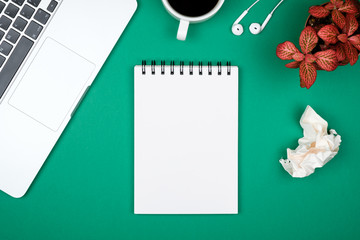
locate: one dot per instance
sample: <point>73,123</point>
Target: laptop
<point>50,53</point>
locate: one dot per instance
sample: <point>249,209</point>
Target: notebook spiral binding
<point>191,68</point>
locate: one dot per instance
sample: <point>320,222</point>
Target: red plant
<point>336,8</point>
<point>339,42</point>
<point>346,45</point>
<point>307,62</point>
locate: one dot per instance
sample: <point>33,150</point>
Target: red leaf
<point>337,3</point>
<point>351,53</point>
<point>329,34</point>
<point>343,63</point>
<point>317,67</point>
<point>351,24</point>
<point>308,39</point>
<point>342,38</point>
<point>340,52</point>
<point>318,11</point>
<point>357,46</point>
<point>302,84</point>
<point>329,6</point>
<point>298,57</point>
<point>355,40</point>
<point>349,7</point>
<point>338,18</point>
<point>286,50</point>
<point>307,74</point>
<point>293,64</point>
<point>309,58</point>
<point>327,60</point>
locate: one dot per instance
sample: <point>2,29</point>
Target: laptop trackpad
<point>52,83</point>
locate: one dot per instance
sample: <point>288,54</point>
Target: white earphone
<point>255,28</point>
<point>237,29</point>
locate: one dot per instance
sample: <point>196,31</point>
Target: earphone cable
<point>276,6</point>
<point>252,5</point>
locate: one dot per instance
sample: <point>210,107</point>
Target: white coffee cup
<point>185,20</point>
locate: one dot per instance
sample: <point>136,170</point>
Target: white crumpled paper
<point>315,149</point>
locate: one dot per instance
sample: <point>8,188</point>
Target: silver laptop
<point>50,53</point>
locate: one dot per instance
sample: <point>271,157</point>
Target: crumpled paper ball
<point>315,149</point>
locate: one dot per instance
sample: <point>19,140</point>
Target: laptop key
<point>35,3</point>
<point>53,4</point>
<point>33,30</point>
<point>11,10</point>
<point>4,22</point>
<point>2,34</point>
<point>14,62</point>
<point>20,24</point>
<point>12,36</point>
<point>2,6</point>
<point>19,2</point>
<point>27,11</point>
<point>2,60</point>
<point>42,16</point>
<point>5,48</point>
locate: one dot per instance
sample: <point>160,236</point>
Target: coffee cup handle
<point>183,29</point>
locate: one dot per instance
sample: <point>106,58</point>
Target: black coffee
<point>193,8</point>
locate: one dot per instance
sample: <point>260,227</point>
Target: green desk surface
<point>85,188</point>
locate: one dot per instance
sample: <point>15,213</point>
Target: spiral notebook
<point>186,139</point>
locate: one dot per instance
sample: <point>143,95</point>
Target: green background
<point>85,189</point>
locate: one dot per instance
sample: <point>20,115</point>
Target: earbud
<point>237,29</point>
<point>256,28</point>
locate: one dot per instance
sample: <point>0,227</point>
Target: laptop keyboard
<point>21,23</point>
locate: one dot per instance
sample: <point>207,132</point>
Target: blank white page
<point>186,141</point>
